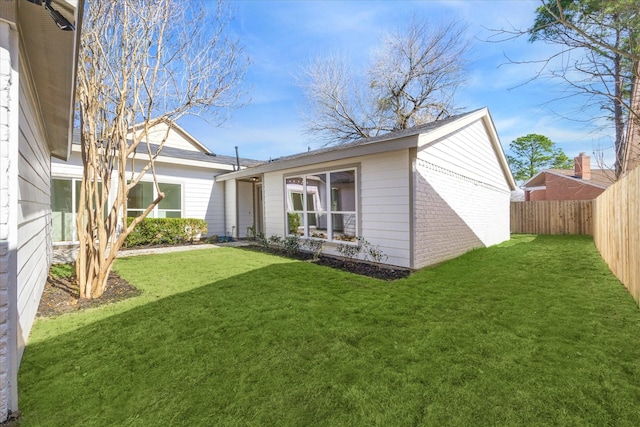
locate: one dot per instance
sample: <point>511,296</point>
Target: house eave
<point>180,162</point>
<point>175,126</point>
<point>329,156</point>
<point>387,143</point>
<point>51,55</point>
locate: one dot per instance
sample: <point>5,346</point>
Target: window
<point>63,209</point>
<point>144,193</point>
<point>65,197</point>
<point>323,205</point>
<point>65,200</point>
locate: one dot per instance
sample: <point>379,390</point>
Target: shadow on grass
<point>479,340</point>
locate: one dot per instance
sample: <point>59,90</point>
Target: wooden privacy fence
<point>616,230</point>
<point>552,217</point>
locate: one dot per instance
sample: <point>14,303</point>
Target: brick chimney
<point>582,166</point>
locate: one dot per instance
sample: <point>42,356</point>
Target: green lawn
<point>535,331</point>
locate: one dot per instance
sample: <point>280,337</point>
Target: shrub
<point>275,241</point>
<point>165,231</point>
<point>262,240</point>
<point>251,232</point>
<point>350,252</point>
<point>315,246</point>
<point>291,245</point>
<point>376,254</point>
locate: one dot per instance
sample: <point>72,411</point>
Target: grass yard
<point>535,331</point>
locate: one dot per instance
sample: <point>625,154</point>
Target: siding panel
<point>383,201</point>
<point>34,213</point>
<point>202,197</point>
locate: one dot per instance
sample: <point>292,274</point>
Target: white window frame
<point>156,209</point>
<point>325,210</point>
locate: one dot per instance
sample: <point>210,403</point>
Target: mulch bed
<point>354,266</point>
<point>61,295</point>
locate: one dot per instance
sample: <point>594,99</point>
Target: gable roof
<point>601,178</point>
<point>185,157</point>
<point>208,157</point>
<point>174,126</point>
<point>417,136</point>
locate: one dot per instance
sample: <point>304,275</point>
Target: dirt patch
<point>61,295</point>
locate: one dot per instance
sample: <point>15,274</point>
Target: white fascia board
<point>328,156</point>
<point>431,137</point>
<point>175,126</point>
<point>536,188</point>
<point>438,134</point>
<point>181,162</point>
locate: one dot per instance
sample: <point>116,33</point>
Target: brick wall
<point>454,214</point>
<point>562,188</point>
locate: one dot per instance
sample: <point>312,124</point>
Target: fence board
<point>617,230</point>
<point>552,217</point>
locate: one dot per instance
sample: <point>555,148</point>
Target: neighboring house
<point>579,183</point>
<point>37,80</point>
<point>423,195</point>
<point>185,169</point>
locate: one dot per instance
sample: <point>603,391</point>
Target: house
<point>423,195</point>
<point>185,169</point>
<point>37,81</point>
<point>580,183</point>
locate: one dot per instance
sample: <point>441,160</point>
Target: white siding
<point>467,152</point>
<point>34,213</point>
<point>230,211</point>
<point>174,139</point>
<point>384,199</point>
<point>9,94</point>
<point>245,207</point>
<point>201,197</point>
<point>461,197</point>
<point>385,204</point>
<point>274,217</point>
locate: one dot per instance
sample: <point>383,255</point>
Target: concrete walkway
<point>68,254</point>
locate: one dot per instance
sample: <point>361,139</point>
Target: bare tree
<point>141,63</point>
<point>597,56</point>
<point>412,80</point>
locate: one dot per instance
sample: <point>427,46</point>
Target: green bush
<point>165,231</point>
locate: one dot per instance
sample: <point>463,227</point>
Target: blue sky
<point>280,36</point>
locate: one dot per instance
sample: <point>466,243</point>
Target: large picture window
<point>323,205</point>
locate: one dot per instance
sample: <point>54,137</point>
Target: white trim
<point>176,161</point>
<point>326,210</point>
<point>389,142</point>
<point>536,188</point>
<point>173,125</point>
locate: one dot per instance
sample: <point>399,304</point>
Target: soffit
<point>50,56</point>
